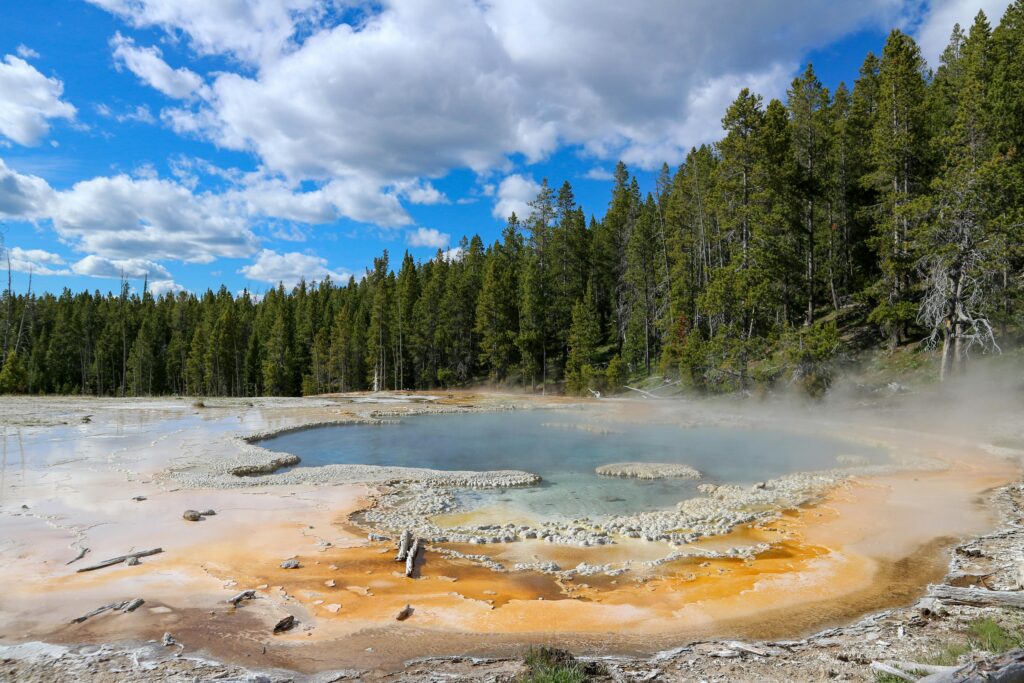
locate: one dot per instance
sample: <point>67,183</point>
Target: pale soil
<point>830,563</point>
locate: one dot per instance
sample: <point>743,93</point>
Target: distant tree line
<point>897,204</point>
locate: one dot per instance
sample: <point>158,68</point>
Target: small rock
<point>405,613</point>
<point>330,583</point>
<point>291,564</point>
<point>286,624</point>
<point>168,640</point>
<point>208,513</point>
<point>132,561</point>
<point>191,515</point>
<point>139,498</point>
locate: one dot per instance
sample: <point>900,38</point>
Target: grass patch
<point>949,654</point>
<point>985,634</point>
<point>551,665</point>
<point>988,635</point>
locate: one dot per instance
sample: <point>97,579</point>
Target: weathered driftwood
<point>410,559</point>
<point>286,624</point>
<point>1005,668</point>
<point>244,595</point>
<point>98,610</point>
<point>403,546</point>
<point>124,606</point>
<point>405,613</point>
<point>132,605</point>
<point>119,559</point>
<point>752,649</point>
<point>80,555</point>
<point>978,597</point>
<point>893,671</point>
<point>646,394</point>
<point>911,667</point>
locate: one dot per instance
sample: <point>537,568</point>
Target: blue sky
<point>243,142</point>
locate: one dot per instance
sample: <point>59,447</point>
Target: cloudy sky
<point>243,142</point>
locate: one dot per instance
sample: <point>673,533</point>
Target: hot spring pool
<point>564,448</point>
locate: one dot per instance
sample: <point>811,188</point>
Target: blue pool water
<point>566,457</point>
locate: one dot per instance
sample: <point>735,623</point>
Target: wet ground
<point>69,484</point>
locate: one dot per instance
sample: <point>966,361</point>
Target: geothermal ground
<point>803,576</point>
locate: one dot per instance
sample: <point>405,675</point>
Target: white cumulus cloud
<point>147,63</point>
<point>514,195</point>
<point>249,30</point>
<point>28,101</point>
<point>123,217</point>
<point>289,268</point>
<point>23,197</point>
<point>36,261</point>
<point>133,268</point>
<point>159,287</point>
<point>428,237</point>
<point>415,88</point>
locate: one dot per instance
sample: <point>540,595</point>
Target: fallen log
<point>119,559</point>
<point>125,606</point>
<point>924,668</point>
<point>98,610</point>
<point>81,554</point>
<point>893,671</point>
<point>132,605</point>
<point>1004,668</point>
<point>403,546</point>
<point>410,560</point>
<point>244,595</point>
<point>977,597</point>
<point>646,394</point>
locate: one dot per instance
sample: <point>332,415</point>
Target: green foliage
<point>985,634</point>
<point>810,351</point>
<point>550,665</point>
<point>616,375</point>
<point>13,376</point>
<point>989,635</point>
<point>584,337</point>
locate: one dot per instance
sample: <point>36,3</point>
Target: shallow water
<point>564,448</point>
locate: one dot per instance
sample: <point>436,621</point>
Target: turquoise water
<point>566,457</point>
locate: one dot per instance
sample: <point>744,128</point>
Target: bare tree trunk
<point>947,351</point>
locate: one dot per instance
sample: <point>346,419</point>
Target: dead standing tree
<point>956,270</point>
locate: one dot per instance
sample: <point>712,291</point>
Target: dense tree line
<point>898,202</point>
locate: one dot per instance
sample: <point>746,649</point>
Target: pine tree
<point>497,310</point>
<point>898,148</point>
<point>584,338</point>
<point>808,104</point>
<point>13,376</point>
